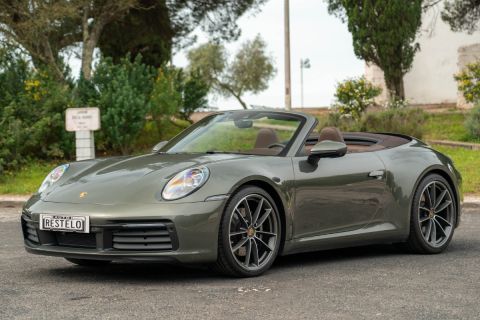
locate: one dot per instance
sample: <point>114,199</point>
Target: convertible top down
<point>239,188</point>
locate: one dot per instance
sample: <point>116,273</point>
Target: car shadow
<point>337,255</point>
<point>160,272</point>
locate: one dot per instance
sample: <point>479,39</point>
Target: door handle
<point>377,174</point>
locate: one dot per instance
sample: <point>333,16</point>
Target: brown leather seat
<point>266,137</point>
<point>327,133</point>
<point>332,134</point>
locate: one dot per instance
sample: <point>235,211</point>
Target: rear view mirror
<point>327,149</point>
<point>243,123</point>
<point>159,146</point>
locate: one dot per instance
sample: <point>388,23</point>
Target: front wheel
<point>250,233</point>
<point>433,216</point>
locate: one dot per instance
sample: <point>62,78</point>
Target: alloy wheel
<point>253,232</point>
<point>436,214</point>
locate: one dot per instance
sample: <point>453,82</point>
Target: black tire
<point>88,263</point>
<point>227,261</point>
<point>416,242</point>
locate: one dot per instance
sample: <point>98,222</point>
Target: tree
<point>29,23</point>
<point>146,30</point>
<point>462,15</point>
<point>46,28</point>
<point>95,15</point>
<point>123,93</point>
<point>165,100</point>
<point>216,17</point>
<point>177,93</point>
<point>14,72</point>
<point>383,33</point>
<point>250,70</point>
<point>160,25</point>
<point>194,95</point>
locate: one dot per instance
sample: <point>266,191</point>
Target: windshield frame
<point>300,117</point>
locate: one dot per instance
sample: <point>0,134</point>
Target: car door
<point>339,194</point>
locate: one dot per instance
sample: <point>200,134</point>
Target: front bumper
<point>189,231</point>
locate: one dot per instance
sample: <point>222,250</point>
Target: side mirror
<point>326,149</point>
<point>159,146</point>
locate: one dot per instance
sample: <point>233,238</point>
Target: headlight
<point>53,177</point>
<point>185,183</point>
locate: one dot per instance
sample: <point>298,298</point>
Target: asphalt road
<point>378,282</point>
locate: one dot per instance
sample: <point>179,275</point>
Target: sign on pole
<point>83,121</point>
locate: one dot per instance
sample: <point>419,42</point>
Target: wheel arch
<point>441,171</point>
<point>275,194</point>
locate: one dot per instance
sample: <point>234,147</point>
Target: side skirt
<point>372,234</point>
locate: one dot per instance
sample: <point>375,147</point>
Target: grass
<point>446,126</point>
<point>25,180</point>
<point>466,161</point>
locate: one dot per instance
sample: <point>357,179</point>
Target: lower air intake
<point>143,239</point>
<point>30,231</point>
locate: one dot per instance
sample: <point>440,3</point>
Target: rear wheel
<point>434,214</point>
<point>250,233</point>
<point>88,263</point>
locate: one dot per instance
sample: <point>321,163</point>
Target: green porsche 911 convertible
<point>239,188</point>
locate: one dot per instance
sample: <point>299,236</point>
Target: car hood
<point>124,180</point>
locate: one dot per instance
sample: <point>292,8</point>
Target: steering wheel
<point>275,145</point>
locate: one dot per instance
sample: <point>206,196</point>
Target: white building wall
<point>430,81</point>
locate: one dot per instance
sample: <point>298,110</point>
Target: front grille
<point>80,240</point>
<point>30,231</point>
<point>143,239</point>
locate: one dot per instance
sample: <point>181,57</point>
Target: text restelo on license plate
<point>64,223</point>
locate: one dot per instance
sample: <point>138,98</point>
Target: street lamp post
<point>288,89</point>
<point>304,64</point>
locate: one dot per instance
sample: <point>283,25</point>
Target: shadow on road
<point>158,272</point>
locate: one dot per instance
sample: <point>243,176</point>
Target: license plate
<point>52,222</point>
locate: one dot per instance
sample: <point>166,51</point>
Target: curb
<point>471,203</point>
<point>13,201</point>
<point>457,144</point>
<point>11,204</point>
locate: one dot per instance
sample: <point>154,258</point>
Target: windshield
<point>260,133</point>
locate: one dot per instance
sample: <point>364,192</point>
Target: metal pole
<point>85,145</point>
<point>288,86</point>
<point>301,82</point>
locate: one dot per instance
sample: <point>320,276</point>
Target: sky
<point>314,34</point>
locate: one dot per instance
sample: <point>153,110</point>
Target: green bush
<point>32,124</point>
<point>354,96</point>
<point>469,82</point>
<point>473,122</point>
<point>405,121</point>
<point>123,93</point>
<point>396,103</point>
<point>342,122</point>
<point>166,99</point>
<point>14,71</point>
<point>194,93</point>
